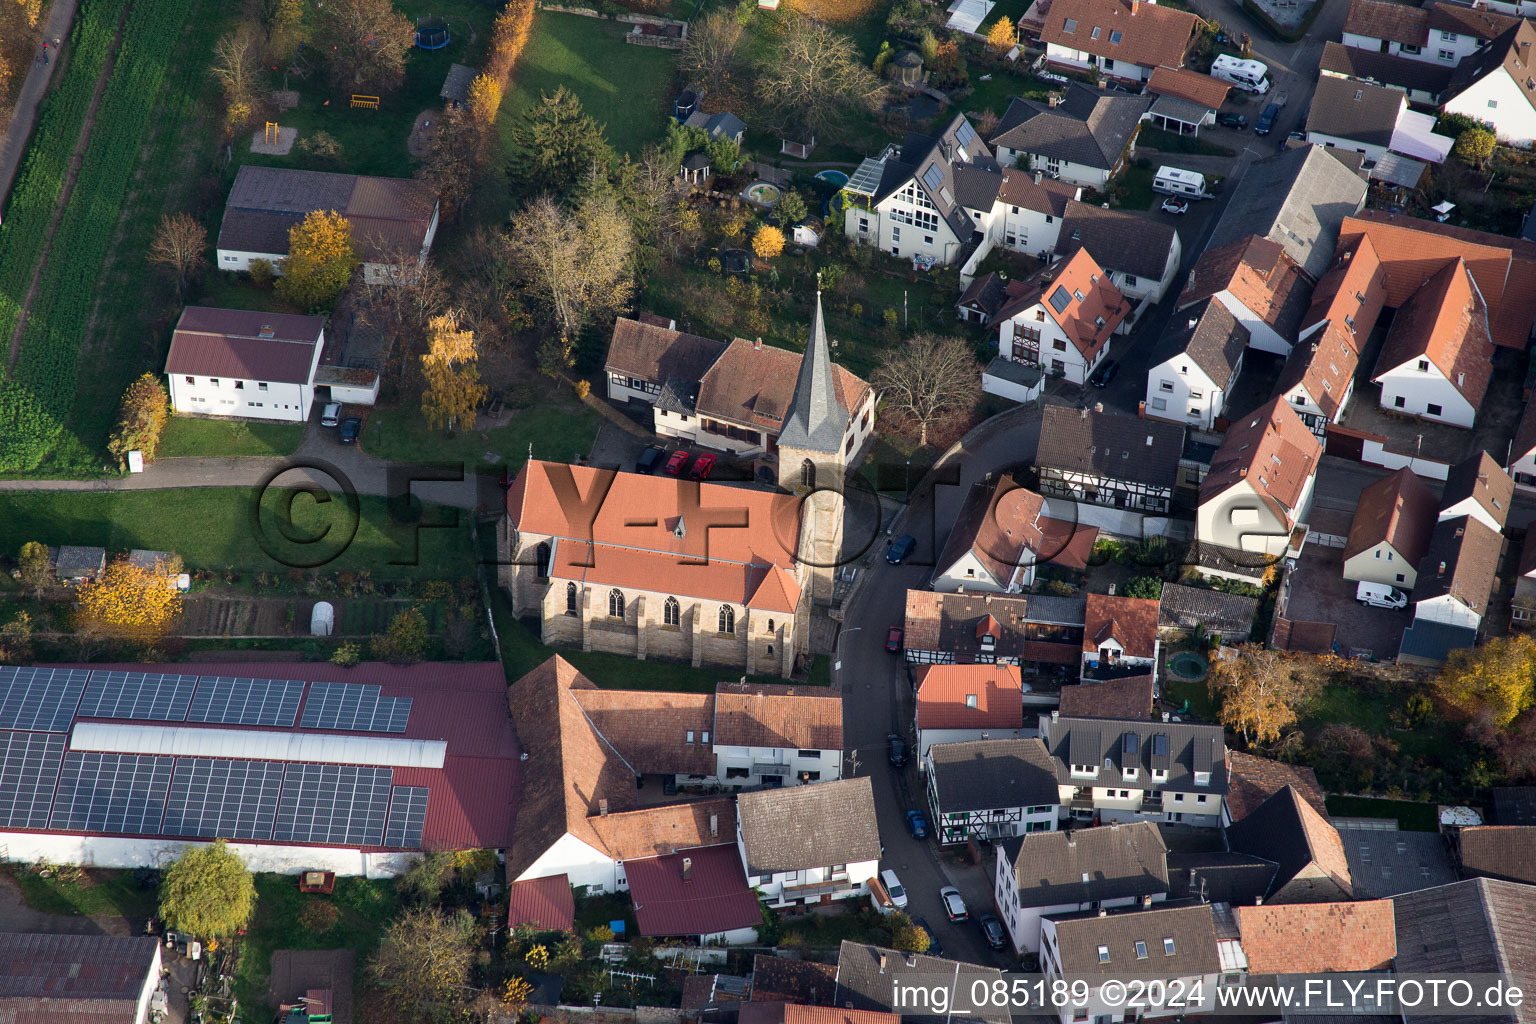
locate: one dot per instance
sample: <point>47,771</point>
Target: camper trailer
<point>1249,75</point>
<point>1175,181</point>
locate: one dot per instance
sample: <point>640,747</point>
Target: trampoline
<point>432,33</point>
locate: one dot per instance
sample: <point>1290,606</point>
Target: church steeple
<point>816,419</point>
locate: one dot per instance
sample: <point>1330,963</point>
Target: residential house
<point>1190,611</point>
<point>1441,33</point>
<point>1082,136</point>
<point>1218,876</point>
<point>1457,573</point>
<point>253,365</point>
<point>1259,284</point>
<point>1138,770</point>
<point>1002,535</point>
<point>1129,697</point>
<point>1044,873</point>
<point>1479,926</point>
<point>87,979</point>
<point>714,996</point>
<point>1505,852</point>
<point>809,844</point>
<point>1390,28</point>
<point>1028,211</point>
<point>1196,365</point>
<point>1286,829</point>
<point>394,220</point>
<point>1251,780</point>
<point>1438,356</point>
<point>1120,637</point>
<point>1314,938</point>
<point>768,734</point>
<point>700,895</point>
<point>864,983</point>
<point>1099,458</point>
<point>1186,101</point>
<point>1477,486</point>
<point>1318,378</point>
<point>1122,39</point>
<point>1176,944</point>
<point>1040,633</point>
<point>1514,805</point>
<point>1298,200</point>
<point>1522,609</point>
<point>1423,83</point>
<point>1141,255</point>
<point>1496,85</point>
<point>1522,449</point>
<point>1061,319</point>
<point>991,789</point>
<point>930,196</point>
<point>732,397</point>
<point>1260,484</point>
<point>1351,292</point>
<point>1390,532</point>
<point>1356,116</point>
<point>957,703</point>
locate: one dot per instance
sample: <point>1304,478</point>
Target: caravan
<point>1175,181</point>
<point>1249,75</point>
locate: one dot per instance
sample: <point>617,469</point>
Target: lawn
<point>1411,816</point>
<point>559,428</point>
<point>188,438</point>
<point>211,528</point>
<point>1132,190</point>
<point>1000,91</point>
<point>98,891</point>
<point>626,88</point>
<point>1173,142</point>
<point>366,908</point>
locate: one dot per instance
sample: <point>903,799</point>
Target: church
<point>710,574</point>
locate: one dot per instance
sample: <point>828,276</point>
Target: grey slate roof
<point>1298,200</point>
<point>724,125</point>
<point>1186,747</point>
<point>1121,242</point>
<point>1179,109</point>
<point>981,775</point>
<point>1283,830</point>
<point>942,151</point>
<point>1499,851</point>
<point>1088,127</point>
<point>1427,641</point>
<point>1079,938</point>
<point>1238,879</point>
<point>865,973</point>
<point>1187,607</point>
<point>1482,925</point>
<point>1383,864</point>
<point>1359,111</point>
<point>809,826</point>
<point>816,419</point>
<point>1469,551</point>
<point>1514,805</point>
<point>1054,869</point>
<point>1110,445</point>
<point>1215,342</point>
<point>456,83</point>
<point>74,560</point>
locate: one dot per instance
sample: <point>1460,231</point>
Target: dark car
<point>701,467</point>
<point>1298,136</point>
<point>676,464</point>
<point>901,549</point>
<point>898,750</point>
<point>351,427</point>
<point>935,947</point>
<point>918,826</point>
<point>1105,373</point>
<point>991,930</point>
<point>650,459</point>
<point>1238,121</point>
<point>893,640</point>
<point>1267,119</point>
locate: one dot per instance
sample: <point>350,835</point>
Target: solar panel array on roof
<point>354,707</point>
<point>933,177</point>
<point>235,701</point>
<point>40,699</point>
<point>336,804</point>
<point>111,793</point>
<point>965,133</point>
<point>29,773</point>
<point>1129,744</point>
<point>1160,758</point>
<point>214,797</point>
<point>1060,299</point>
<point>145,695</point>
<point>407,816</point>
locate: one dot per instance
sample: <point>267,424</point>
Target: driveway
<point>1320,593</point>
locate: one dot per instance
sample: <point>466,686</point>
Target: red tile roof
<point>1307,938</point>
<point>1445,322</point>
<point>1260,275</point>
<point>545,904</point>
<point>1189,85</point>
<point>1352,291</point>
<point>1381,19</point>
<point>1036,192</point>
<point>944,695</point>
<point>1399,509</point>
<point>1251,780</point>
<point>659,353</point>
<point>243,345</point>
<point>1478,22</point>
<point>1065,543</point>
<point>778,715</point>
<point>1132,621</point>
<point>753,383</point>
<point>713,898</point>
<point>1090,306</point>
<point>1149,34</point>
<point>999,526</point>
<point>1129,697</point>
<point>667,828</point>
<point>1323,367</point>
<point>1274,447</point>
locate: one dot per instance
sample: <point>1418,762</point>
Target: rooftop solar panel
<point>111,793</point>
<point>29,772</point>
<point>40,699</point>
<point>236,701</point>
<point>407,817</point>
<point>339,805</point>
<point>354,707</point>
<point>156,696</point>
<point>214,797</point>
<point>965,133</point>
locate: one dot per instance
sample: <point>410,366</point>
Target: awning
<point>1398,170</point>
<point>1413,136</point>
<point>967,15</point>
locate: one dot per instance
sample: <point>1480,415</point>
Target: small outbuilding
<point>724,125</point>
<point>455,90</point>
<point>74,564</point>
<point>695,169</point>
<point>906,69</point>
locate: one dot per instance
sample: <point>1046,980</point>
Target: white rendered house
<point>1260,483</point>
<point>244,364</point>
<point>1437,359</point>
<point>807,844</point>
<point>1200,363</point>
<point>1498,85</point>
<point>1063,322</point>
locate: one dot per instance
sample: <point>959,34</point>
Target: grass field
<point>1411,816</point>
<point>212,528</point>
<point>1000,91</point>
<point>559,429</point>
<point>626,88</point>
<point>188,438</point>
<point>1172,142</point>
<point>97,892</point>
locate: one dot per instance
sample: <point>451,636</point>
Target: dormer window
<point>1202,778</point>
<point>1159,775</point>
<point>1129,774</point>
<point>988,642</point>
<point>1103,954</point>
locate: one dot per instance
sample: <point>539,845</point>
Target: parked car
<point>898,750</point>
<point>1267,119</point>
<point>893,640</point>
<point>331,414</point>
<point>351,427</point>
<point>992,930</point>
<point>1298,136</point>
<point>1105,373</point>
<point>893,888</point>
<point>901,549</point>
<point>701,467</point>
<point>1378,595</point>
<point>1238,121</point>
<point>954,904</point>
<point>1178,206</point>
<point>676,464</point>
<point>650,459</point>
<point>917,824</point>
<point>935,947</point>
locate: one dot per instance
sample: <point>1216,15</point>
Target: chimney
<point>266,331</point>
<point>1082,413</point>
<point>687,869</point>
<point>1054,99</point>
<point>1191,878</point>
<point>602,805</point>
<point>882,963</point>
<point>1071,841</point>
<point>1056,715</point>
<point>1146,901</point>
<point>1111,590</point>
<point>1258,901</point>
<point>1098,406</point>
<point>714,825</point>
<point>758,344</point>
<point>1135,5</point>
<point>1103,912</point>
<point>1193,323</point>
<point>1038,176</point>
<point>1441,570</point>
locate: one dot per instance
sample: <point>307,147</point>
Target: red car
<point>676,464</point>
<point>701,467</point>
<point>893,640</point>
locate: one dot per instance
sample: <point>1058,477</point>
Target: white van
<point>1175,181</point>
<point>1248,75</point>
<point>1379,595</point>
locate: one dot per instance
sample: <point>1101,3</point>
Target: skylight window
<point>1168,946</point>
<point>1114,36</point>
<point>1141,950</point>
<point>1095,33</point>
<point>1070,25</point>
<point>1103,954</point>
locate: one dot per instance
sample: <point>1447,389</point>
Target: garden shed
<point>455,90</point>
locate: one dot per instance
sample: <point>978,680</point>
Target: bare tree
<point>816,77</point>
<point>366,42</point>
<point>179,246</point>
<point>712,53</point>
<point>930,379</point>
<point>237,62</point>
<point>576,264</point>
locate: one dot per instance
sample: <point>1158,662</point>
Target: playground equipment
<point>432,32</point>
<point>370,102</point>
<point>270,135</point>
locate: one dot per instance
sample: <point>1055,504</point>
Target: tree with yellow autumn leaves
<point>141,418</point>
<point>453,391</point>
<point>133,603</point>
<point>321,258</point>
